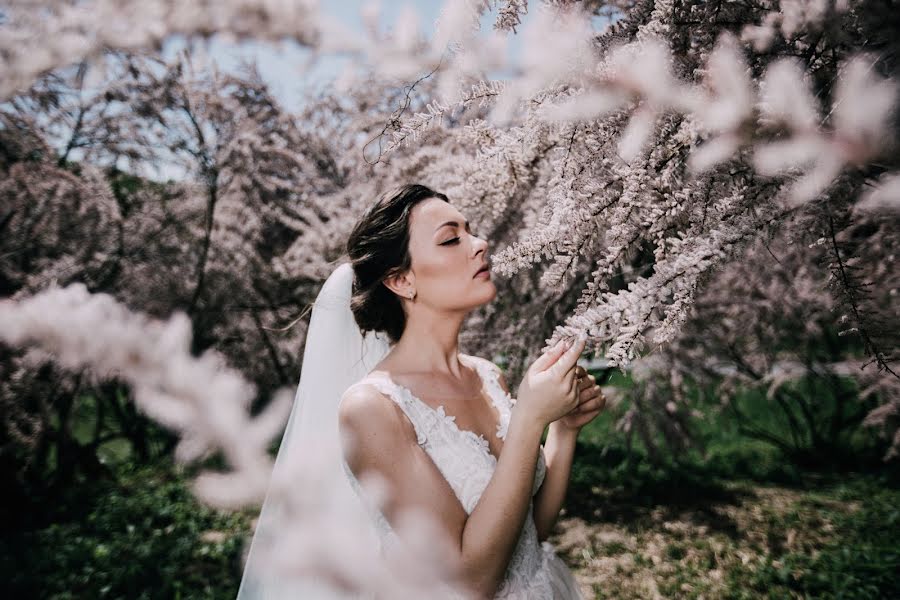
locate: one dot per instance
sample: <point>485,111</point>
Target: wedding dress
<point>317,537</point>
<point>464,458</point>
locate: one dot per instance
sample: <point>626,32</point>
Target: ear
<point>402,284</point>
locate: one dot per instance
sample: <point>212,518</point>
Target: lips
<point>484,267</point>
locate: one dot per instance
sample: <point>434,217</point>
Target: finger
<point>586,383</point>
<point>586,395</point>
<point>591,404</point>
<point>586,417</point>
<point>574,352</point>
<point>587,392</point>
<point>600,401</point>
<point>549,357</point>
<point>567,362</point>
<point>573,384</point>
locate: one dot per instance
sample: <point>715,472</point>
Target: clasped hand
<point>591,402</point>
<point>556,388</point>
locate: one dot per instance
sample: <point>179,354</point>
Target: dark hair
<point>378,248</point>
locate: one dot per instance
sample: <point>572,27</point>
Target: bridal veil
<point>314,533</point>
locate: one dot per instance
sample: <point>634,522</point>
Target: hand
<point>591,403</point>
<point>548,390</point>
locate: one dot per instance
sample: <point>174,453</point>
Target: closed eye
<point>454,241</point>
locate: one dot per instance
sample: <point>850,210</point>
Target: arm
<point>482,542</point>
<point>559,450</point>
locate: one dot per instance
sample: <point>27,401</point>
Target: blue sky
<point>279,65</point>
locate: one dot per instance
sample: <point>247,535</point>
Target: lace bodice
<point>464,459</point>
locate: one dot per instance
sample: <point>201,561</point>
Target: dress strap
<point>500,398</point>
<point>415,413</point>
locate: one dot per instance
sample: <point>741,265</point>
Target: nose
<point>480,244</point>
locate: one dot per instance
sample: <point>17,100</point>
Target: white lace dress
<point>464,459</point>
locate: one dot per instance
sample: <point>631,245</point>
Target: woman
<point>440,427</point>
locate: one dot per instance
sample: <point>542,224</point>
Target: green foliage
<point>719,447</point>
<point>144,537</point>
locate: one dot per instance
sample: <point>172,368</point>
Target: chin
<point>491,293</point>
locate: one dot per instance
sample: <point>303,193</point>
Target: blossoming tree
<point>618,173</point>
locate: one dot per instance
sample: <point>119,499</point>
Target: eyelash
<point>454,241</point>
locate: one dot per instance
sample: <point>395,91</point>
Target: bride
<point>438,427</point>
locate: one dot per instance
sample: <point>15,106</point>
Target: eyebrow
<point>454,223</point>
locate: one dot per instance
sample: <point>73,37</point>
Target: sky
<point>279,66</point>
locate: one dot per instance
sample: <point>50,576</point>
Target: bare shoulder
<point>361,398</point>
<point>374,420</point>
<point>364,404</point>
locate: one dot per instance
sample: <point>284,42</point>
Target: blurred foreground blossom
<point>207,404</point>
<point>200,398</point>
<point>884,195</point>
<point>862,111</point>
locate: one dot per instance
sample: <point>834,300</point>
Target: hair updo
<point>378,248</point>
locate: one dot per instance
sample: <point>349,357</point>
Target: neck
<point>430,342</point>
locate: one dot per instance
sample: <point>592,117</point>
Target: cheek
<point>437,262</point>
<point>444,270</point>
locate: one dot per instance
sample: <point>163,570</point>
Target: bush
<point>143,537</point>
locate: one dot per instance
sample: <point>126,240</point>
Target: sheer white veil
<point>311,513</point>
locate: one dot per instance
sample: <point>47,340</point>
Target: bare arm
<point>559,450</point>
<point>493,528</point>
<point>483,540</point>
